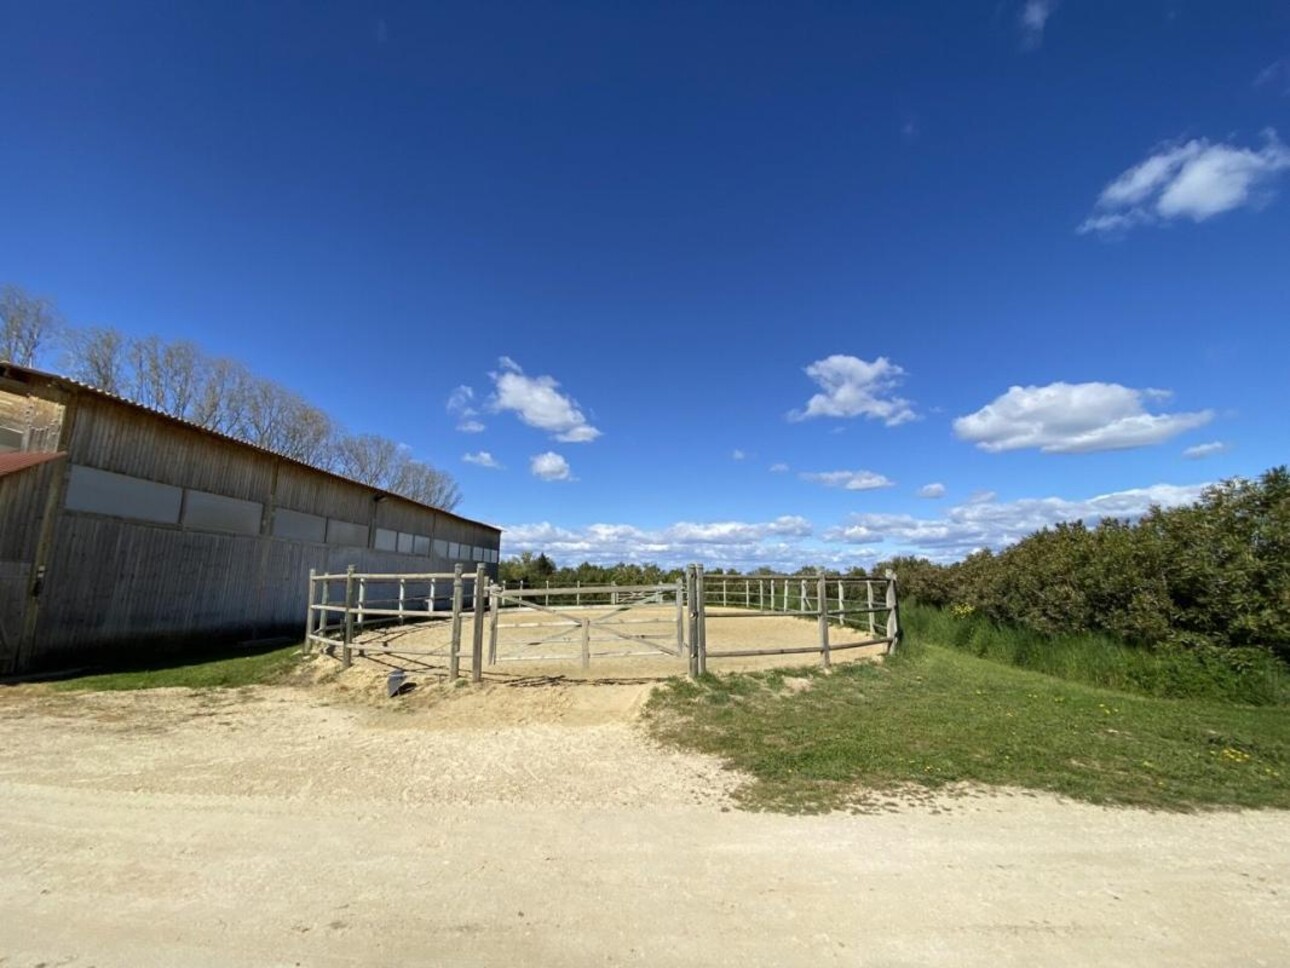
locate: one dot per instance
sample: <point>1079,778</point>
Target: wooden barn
<point>125,531</point>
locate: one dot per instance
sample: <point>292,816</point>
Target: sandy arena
<point>514,824</point>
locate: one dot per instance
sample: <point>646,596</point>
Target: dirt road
<point>536,826</point>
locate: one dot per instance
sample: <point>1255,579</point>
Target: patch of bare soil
<point>531,822</point>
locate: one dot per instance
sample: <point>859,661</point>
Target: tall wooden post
<point>477,639</point>
<point>893,613</point>
<point>362,597</point>
<point>868,587</point>
<point>403,591</point>
<point>822,593</point>
<point>692,599</point>
<point>801,602</point>
<point>454,647</point>
<point>586,644</point>
<point>310,622</point>
<point>347,650</point>
<point>842,605</point>
<point>702,637</point>
<point>494,607</point>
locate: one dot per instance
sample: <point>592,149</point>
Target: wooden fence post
<point>893,613</point>
<point>362,597</point>
<point>403,590</point>
<point>868,587</point>
<point>822,593</point>
<point>785,596</point>
<point>724,600</point>
<point>347,651</point>
<point>586,644</point>
<point>494,607</point>
<point>477,639</point>
<point>309,613</point>
<point>454,647</point>
<point>577,599</point>
<point>430,607</point>
<point>702,595</point>
<point>692,601</point>
<point>761,594</point>
<point>801,602</point>
<point>842,605</point>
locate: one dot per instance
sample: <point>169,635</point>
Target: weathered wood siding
<point>22,505</point>
<point>118,586</point>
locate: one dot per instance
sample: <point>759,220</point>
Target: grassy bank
<point>935,716</point>
<point>220,671</point>
<point>1248,676</point>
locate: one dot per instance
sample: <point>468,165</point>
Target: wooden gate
<point>566,624</point>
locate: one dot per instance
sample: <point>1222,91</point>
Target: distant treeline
<point>1215,574</point>
<point>219,394</point>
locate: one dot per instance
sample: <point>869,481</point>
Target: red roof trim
<point>20,460</point>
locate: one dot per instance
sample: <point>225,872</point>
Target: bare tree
<point>427,484</point>
<point>97,356</point>
<point>29,322</point>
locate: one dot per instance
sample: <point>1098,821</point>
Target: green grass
<point>205,673</point>
<point>1252,676</point>
<point>933,717</point>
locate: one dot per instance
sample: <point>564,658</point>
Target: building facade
<point>124,531</point>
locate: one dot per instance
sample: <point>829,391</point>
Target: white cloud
<point>856,388</point>
<point>1032,18</point>
<point>1196,180</point>
<point>779,468</point>
<point>550,467</point>
<point>538,402</point>
<point>737,454</point>
<point>1073,418</point>
<point>482,459</point>
<point>788,542</point>
<point>988,524</point>
<point>781,543</point>
<point>1205,450</point>
<point>1276,76</point>
<point>932,490</point>
<point>848,480</point>
<point>461,404</point>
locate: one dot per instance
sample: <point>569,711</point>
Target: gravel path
<point>537,826</point>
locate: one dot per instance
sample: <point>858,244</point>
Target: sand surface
<point>534,824</point>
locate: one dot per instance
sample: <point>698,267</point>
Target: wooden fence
<point>341,605</point>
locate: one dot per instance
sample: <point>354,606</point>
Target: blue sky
<point>726,282</point>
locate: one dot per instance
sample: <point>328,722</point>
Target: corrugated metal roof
<point>67,383</point>
<point>20,460</point>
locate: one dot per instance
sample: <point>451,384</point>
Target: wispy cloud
<point>848,480</point>
<point>989,524</point>
<point>1032,18</point>
<point>538,402</point>
<point>461,404</point>
<point>932,490</point>
<point>779,542</point>
<point>482,459</point>
<point>1074,418</point>
<point>550,466</point>
<point>779,468</point>
<point>1275,77</point>
<point>1201,451</point>
<point>1196,180</point>
<point>790,541</point>
<point>852,387</point>
<point>737,454</point>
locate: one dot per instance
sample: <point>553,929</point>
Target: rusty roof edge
<point>76,386</point>
<point>15,461</point>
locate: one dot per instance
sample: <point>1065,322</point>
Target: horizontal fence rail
<point>343,605</point>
